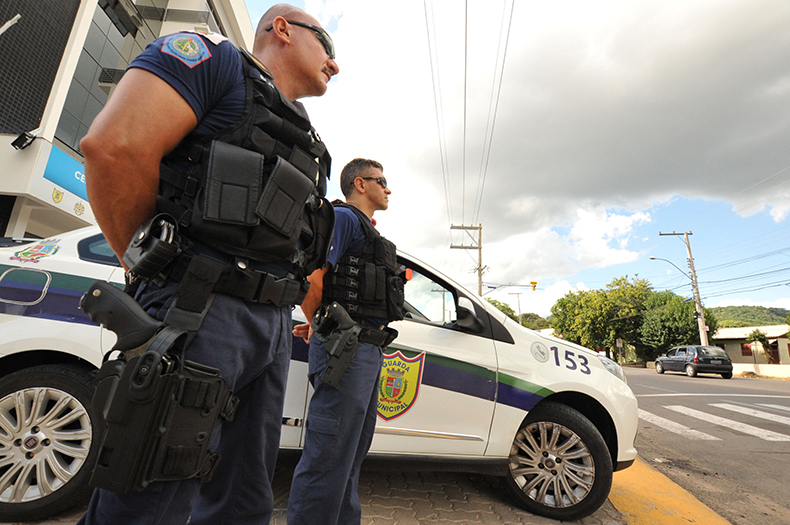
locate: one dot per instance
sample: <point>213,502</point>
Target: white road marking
<point>775,407</point>
<point>677,428</point>
<point>752,412</point>
<point>713,394</point>
<point>767,435</point>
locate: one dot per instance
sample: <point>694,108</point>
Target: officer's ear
<point>359,184</point>
<point>281,29</point>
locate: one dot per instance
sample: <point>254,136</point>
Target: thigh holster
<point>159,411</point>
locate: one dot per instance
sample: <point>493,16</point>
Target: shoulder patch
<point>189,48</point>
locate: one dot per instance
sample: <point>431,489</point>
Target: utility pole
<point>518,297</point>
<point>699,312</point>
<point>478,247</point>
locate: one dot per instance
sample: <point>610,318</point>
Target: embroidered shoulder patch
<point>189,48</point>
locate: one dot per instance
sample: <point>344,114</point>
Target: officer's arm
<point>144,119</point>
<point>311,302</point>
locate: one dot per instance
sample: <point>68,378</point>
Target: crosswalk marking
<point>666,424</point>
<point>728,423</point>
<point>752,412</point>
<point>775,407</point>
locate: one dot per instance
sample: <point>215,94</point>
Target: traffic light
<point>534,284</point>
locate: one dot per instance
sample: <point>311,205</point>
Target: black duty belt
<point>240,278</point>
<point>374,336</point>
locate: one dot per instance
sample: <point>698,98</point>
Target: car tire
<point>49,446</point>
<point>691,371</point>
<point>727,375</point>
<point>659,368</point>
<point>559,451</point>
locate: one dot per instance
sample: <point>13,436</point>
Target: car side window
<point>681,352</point>
<point>671,353</point>
<point>428,300</point>
<point>96,249</point>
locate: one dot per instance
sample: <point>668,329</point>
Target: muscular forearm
<point>119,207</point>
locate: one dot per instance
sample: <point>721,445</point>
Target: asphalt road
<point>726,441</point>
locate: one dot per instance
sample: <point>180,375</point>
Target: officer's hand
<point>304,331</point>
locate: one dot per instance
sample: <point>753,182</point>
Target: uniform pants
<point>251,345</point>
<point>340,426</point>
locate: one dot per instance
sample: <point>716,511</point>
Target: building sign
<point>66,173</point>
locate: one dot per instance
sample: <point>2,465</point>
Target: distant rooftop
<point>771,331</point>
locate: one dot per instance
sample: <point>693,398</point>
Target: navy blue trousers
<point>340,426</point>
<point>251,345</point>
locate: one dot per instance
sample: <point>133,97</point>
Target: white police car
<point>462,384</point>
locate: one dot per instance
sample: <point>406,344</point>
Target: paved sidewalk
<point>411,497</point>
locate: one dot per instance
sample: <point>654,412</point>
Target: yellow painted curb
<point>646,496</point>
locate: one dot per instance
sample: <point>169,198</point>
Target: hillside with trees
<point>736,316</point>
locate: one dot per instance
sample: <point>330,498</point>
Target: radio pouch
<point>284,198</point>
<point>234,177</point>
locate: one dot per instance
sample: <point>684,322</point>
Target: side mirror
<point>467,318</point>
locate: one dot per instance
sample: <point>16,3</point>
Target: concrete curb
<point>645,496</point>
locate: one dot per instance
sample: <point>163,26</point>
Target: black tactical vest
<point>368,284</point>
<point>255,190</point>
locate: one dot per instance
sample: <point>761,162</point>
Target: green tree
<point>583,318</point>
<point>534,321</point>
<point>760,337</point>
<point>670,321</point>
<point>627,299</point>
<point>504,308</point>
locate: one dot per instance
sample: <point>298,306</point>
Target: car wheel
<point>46,432</point>
<point>560,466</point>
<point>727,375</point>
<point>659,368</point>
<point>691,371</point>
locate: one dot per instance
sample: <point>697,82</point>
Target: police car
<point>462,385</point>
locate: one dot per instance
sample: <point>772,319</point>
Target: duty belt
<point>239,278</point>
<point>374,336</point>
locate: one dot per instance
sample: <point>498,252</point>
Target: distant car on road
<point>462,385</point>
<point>695,360</point>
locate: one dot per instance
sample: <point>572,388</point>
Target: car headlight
<point>614,368</point>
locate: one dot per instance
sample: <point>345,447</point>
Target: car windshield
<point>712,351</point>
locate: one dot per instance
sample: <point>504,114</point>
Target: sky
<point>575,133</point>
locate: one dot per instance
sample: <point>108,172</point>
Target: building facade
<point>61,60</point>
<point>733,340</point>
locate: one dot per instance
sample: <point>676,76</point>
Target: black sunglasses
<point>322,36</point>
<point>380,180</point>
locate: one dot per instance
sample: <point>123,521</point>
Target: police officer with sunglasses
<point>364,278</point>
<point>192,117</point>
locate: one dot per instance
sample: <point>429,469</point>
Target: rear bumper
<point>714,369</point>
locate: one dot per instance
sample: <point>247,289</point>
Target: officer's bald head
<point>289,12</point>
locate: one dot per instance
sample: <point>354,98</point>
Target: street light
<point>698,312</point>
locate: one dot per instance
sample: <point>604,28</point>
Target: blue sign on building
<point>66,173</point>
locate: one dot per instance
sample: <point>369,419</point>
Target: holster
<point>158,409</point>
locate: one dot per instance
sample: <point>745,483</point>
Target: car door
<point>679,359</point>
<point>438,383</point>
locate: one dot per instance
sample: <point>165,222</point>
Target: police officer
<point>193,114</point>
<point>341,421</point>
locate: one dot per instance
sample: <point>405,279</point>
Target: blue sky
<point>615,120</point>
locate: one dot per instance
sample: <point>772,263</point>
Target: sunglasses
<point>322,36</point>
<point>380,180</point>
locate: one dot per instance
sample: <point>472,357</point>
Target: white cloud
<point>607,109</point>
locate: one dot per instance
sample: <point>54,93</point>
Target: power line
<point>463,169</point>
<point>437,97</point>
<point>487,154</point>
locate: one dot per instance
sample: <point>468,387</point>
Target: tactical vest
<point>255,190</point>
<point>368,284</point>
